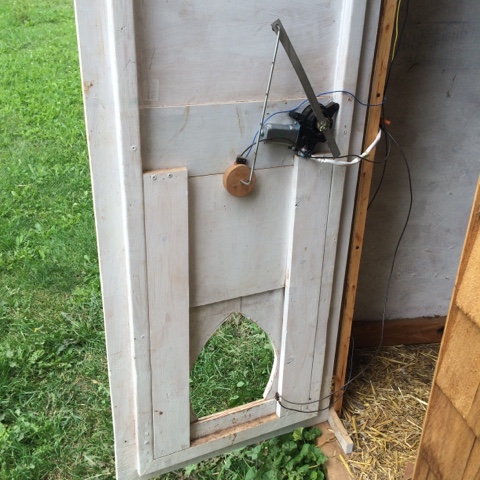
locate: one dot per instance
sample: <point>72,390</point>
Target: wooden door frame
<point>377,94</point>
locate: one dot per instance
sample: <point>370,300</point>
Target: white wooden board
<point>166,235</point>
<point>219,52</point>
<point>177,87</point>
<point>238,245</point>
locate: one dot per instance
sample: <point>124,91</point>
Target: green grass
<point>55,418</point>
<point>54,402</point>
<point>232,369</point>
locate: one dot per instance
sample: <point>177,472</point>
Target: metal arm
<point>323,124</point>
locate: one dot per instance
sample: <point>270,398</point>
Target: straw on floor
<point>385,407</point>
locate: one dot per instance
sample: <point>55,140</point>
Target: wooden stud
<point>363,192</point>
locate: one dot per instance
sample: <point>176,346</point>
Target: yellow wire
<point>397,14</point>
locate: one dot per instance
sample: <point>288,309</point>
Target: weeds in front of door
<point>293,456</point>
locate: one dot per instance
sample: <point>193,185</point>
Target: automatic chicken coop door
<point>173,94</point>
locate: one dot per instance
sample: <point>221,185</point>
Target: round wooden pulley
<point>232,180</point>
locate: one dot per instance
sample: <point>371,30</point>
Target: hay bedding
<point>384,409</point>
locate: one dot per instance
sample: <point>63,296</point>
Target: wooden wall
<point>450,445</point>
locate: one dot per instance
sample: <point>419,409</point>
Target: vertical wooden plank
<point>370,31</point>
<point>166,234</point>
<point>309,206</point>
<point>108,67</point>
<point>363,192</point>
<point>346,76</point>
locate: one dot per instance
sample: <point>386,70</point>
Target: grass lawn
<point>55,419</point>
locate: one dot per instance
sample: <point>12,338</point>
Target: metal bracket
<point>323,124</point>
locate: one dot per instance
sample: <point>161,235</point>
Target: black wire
<point>384,312</point>
<point>388,148</point>
<point>344,388</point>
<point>387,81</point>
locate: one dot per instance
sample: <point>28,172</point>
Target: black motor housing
<point>310,131</point>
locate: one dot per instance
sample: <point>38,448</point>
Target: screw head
<point>154,177</point>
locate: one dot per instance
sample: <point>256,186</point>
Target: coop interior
<point>283,197</point>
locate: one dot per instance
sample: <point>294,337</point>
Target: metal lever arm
<point>307,87</point>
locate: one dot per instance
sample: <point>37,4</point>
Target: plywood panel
<point>238,245</point>
<point>207,138</point>
<point>265,309</point>
<point>225,49</point>
<point>166,234</point>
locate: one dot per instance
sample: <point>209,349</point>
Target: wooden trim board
<point>341,434</point>
<point>387,17</point>
<point>406,331</point>
<point>336,464</point>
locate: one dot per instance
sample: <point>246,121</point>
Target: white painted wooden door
<point>173,91</point>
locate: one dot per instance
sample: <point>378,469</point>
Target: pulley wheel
<point>232,180</point>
